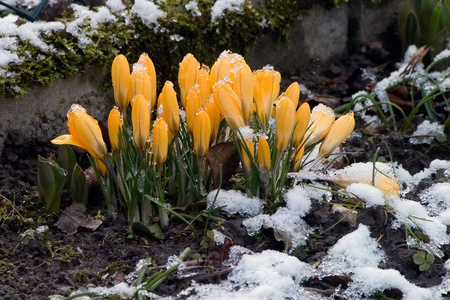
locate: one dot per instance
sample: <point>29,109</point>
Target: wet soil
<point>34,267</point>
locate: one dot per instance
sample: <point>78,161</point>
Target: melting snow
<point>370,194</point>
<point>426,132</point>
<point>148,11</point>
<point>217,11</point>
<point>235,202</point>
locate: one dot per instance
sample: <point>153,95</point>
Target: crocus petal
<point>120,73</point>
<point>339,132</point>
<point>187,76</point>
<point>285,121</point>
<point>140,116</point>
<point>229,104</point>
<point>242,77</point>
<point>160,141</point>
<point>170,106</point>
<point>302,117</point>
<point>192,107</point>
<point>202,133</point>
<point>263,154</point>
<point>148,63</point>
<point>115,123</point>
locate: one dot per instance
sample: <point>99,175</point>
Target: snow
<point>354,250</point>
<point>297,201</point>
<point>115,5</point>
<point>235,202</point>
<point>193,7</point>
<point>368,280</point>
<point>442,55</point>
<point>219,7</point>
<point>148,11</point>
<point>436,198</point>
<point>420,136</point>
<point>370,194</point>
<point>266,275</point>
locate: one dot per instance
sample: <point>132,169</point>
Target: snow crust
<point>420,136</point>
<point>219,7</point>
<point>148,11</point>
<point>235,202</point>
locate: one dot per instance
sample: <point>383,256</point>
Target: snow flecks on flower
<point>193,7</point>
<point>266,275</point>
<point>426,132</point>
<point>368,280</point>
<point>371,195</point>
<point>148,11</point>
<point>415,215</point>
<point>235,202</point>
<point>219,7</point>
<point>354,250</point>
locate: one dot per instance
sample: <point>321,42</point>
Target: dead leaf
<point>223,155</point>
<point>73,217</point>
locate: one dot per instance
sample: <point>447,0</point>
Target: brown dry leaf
<point>225,155</point>
<point>73,217</point>
<point>327,100</point>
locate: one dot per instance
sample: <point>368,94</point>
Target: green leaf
<point>424,267</point>
<point>435,22</point>
<point>67,160</point>
<point>153,231</point>
<point>51,178</point>
<point>78,185</point>
<point>430,258</point>
<point>419,258</point>
<point>442,137</point>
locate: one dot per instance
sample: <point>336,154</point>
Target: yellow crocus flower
<point>115,123</point>
<point>339,132</point>
<point>140,116</point>
<point>187,76</point>
<point>192,107</point>
<point>120,73</point>
<point>229,104</point>
<point>202,134</point>
<point>140,82</point>
<point>302,117</point>
<point>298,156</point>
<point>284,122</point>
<point>215,117</point>
<point>84,133</point>
<point>160,141</point>
<point>242,77</point>
<point>263,154</point>
<point>101,167</point>
<point>148,64</point>
<point>246,159</point>
<point>319,124</point>
<point>168,98</point>
<point>293,92</point>
<point>204,85</point>
<point>266,87</point>
<point>222,68</point>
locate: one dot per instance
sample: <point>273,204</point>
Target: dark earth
<point>58,263</point>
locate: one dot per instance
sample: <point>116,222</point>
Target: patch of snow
<point>148,11</point>
<point>219,237</point>
<point>412,180</point>
<point>297,201</point>
<point>122,289</point>
<point>370,194</point>
<point>415,215</point>
<point>426,132</point>
<point>368,280</point>
<point>115,5</point>
<point>219,7</point>
<point>235,202</point>
<point>193,7</point>
<point>442,55</point>
<point>176,37</point>
<point>354,250</point>
<point>266,275</point>
<point>436,198</point>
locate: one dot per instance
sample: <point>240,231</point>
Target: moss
<point>5,269</point>
<point>236,31</point>
<point>86,275</point>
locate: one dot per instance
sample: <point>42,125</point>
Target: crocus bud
<point>140,82</point>
<point>284,121</point>
<point>115,123</point>
<point>293,92</point>
<point>222,68</point>
<point>148,64</point>
<point>215,117</point>
<point>246,159</point>
<point>170,106</point>
<point>101,168</point>
<point>266,83</point>
<point>263,154</point>
<point>187,76</point>
<point>160,141</point>
<point>229,104</point>
<point>140,116</point>
<point>192,107</point>
<point>319,124</point>
<point>204,85</point>
<point>302,120</point>
<point>242,77</point>
<point>298,156</point>
<point>84,133</point>
<point>120,73</point>
<point>339,132</point>
<point>202,134</point>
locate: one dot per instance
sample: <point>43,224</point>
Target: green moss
<point>236,31</point>
<point>83,276</point>
<point>5,269</point>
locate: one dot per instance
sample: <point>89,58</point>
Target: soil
<point>58,263</point>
